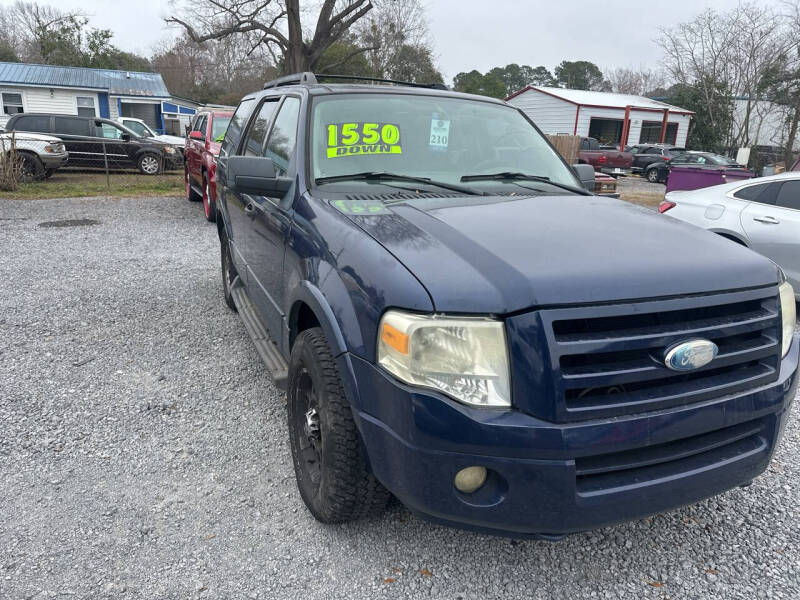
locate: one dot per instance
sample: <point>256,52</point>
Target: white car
<point>762,214</point>
<point>39,155</point>
<point>141,128</point>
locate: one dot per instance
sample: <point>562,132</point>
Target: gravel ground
<point>143,453</point>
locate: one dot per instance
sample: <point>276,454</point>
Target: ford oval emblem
<point>690,355</point>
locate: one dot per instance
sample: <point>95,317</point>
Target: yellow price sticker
<point>355,139</point>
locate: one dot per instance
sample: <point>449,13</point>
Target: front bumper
<point>417,441</point>
<point>54,161</point>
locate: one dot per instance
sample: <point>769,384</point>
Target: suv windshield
<point>440,138</point>
<point>218,128</point>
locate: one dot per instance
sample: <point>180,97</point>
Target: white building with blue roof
<point>30,88</point>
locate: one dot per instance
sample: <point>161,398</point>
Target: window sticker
<point>440,133</point>
<point>355,139</point>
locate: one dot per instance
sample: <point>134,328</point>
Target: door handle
<point>250,209</point>
<point>767,219</point>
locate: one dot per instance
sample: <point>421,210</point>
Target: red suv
<point>200,158</point>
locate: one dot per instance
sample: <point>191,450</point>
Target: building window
<point>86,106</point>
<point>12,103</point>
<point>651,133</point>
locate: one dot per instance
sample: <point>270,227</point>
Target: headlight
<point>466,358</point>
<point>788,314</point>
<point>169,149</point>
<point>51,148</point>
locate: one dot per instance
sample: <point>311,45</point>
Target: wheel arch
<point>310,308</point>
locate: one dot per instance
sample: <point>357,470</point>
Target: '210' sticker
<point>355,139</point>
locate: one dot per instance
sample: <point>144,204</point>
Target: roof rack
<point>310,79</point>
<point>293,79</point>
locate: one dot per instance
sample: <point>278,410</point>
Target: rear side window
<point>257,134</point>
<point>238,122</point>
<point>33,123</point>
<point>70,126</point>
<point>789,195</point>
<point>282,138</point>
<point>751,192</point>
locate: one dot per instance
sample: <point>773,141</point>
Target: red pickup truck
<point>605,160</point>
<point>200,158</point>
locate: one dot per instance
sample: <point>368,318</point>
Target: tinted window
<point>283,136</point>
<point>257,134</point>
<point>237,124</point>
<point>70,126</point>
<point>751,192</point>
<point>200,125</point>
<point>33,123</point>
<point>789,195</point>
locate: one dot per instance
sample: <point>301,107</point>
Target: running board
<point>272,357</point>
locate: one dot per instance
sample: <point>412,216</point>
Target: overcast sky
<point>467,34</point>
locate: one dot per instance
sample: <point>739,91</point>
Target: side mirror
<point>586,175</point>
<point>125,137</point>
<point>256,176</point>
<point>196,135</point>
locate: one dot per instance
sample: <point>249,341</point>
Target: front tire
<point>149,164</point>
<point>652,176</point>
<point>31,167</point>
<point>209,206</point>
<point>330,463</point>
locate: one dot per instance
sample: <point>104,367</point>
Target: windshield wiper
<point>514,176</point>
<point>386,176</point>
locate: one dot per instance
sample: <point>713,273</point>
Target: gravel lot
<point>143,453</point>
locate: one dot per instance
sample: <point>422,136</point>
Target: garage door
<point>145,112</point>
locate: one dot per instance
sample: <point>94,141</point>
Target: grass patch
<point>77,184</point>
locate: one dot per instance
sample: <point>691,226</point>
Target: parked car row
<point>96,142</point>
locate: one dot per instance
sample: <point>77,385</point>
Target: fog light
<point>470,479</point>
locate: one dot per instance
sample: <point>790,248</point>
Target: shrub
<point>10,164</point>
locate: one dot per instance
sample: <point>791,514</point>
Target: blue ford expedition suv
<point>457,322</point>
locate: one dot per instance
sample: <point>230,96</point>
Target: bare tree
<point>638,81</point>
<point>274,25</point>
<point>23,26</point>
<point>727,54</point>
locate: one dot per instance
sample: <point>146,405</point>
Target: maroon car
<point>200,158</point>
<point>605,160</point>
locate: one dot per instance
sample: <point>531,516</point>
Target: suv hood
<point>503,254</point>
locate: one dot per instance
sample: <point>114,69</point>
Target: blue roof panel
<point>121,83</point>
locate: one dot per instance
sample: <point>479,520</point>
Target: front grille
<point>609,358</point>
<point>620,471</point>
